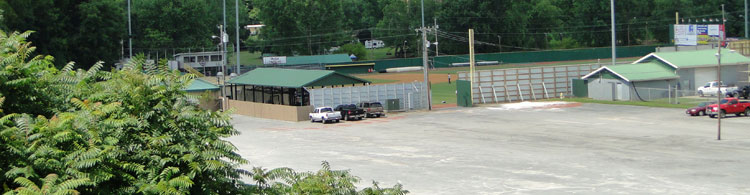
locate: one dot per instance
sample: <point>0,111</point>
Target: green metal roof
<point>639,72</point>
<point>319,59</point>
<point>200,85</point>
<point>698,58</point>
<point>294,78</point>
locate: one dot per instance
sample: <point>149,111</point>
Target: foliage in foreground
<point>122,132</point>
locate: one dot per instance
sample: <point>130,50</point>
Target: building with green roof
<point>207,93</point>
<point>684,70</point>
<point>285,86</point>
<point>698,67</point>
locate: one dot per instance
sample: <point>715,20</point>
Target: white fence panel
<point>411,95</point>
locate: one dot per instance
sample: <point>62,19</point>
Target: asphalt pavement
<point>588,149</point>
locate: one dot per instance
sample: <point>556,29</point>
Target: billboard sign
<point>697,34</point>
<point>274,60</point>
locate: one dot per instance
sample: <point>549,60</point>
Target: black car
<point>350,111</point>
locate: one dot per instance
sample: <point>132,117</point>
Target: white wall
<point>609,89</point>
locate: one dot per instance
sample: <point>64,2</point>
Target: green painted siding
<point>463,93</point>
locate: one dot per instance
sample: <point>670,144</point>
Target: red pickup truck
<point>729,106</point>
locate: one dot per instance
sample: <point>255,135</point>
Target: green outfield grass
<point>380,53</point>
<point>246,58</point>
<point>443,92</point>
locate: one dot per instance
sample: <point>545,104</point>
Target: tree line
<point>502,25</point>
<point>89,31</point>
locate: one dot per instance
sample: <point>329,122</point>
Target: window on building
<point>216,58</point>
<point>203,58</point>
<point>188,59</point>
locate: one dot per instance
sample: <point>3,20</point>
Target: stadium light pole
<point>614,55</point>
<point>719,95</point>
<point>237,32</point>
<point>130,34</point>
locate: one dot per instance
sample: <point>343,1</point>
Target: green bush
<point>122,132</point>
<point>354,48</point>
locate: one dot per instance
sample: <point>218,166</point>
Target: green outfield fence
<point>522,57</point>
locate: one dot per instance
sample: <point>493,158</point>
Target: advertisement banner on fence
<point>694,34</point>
<point>273,60</point>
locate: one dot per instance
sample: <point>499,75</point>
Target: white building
<point>207,63</point>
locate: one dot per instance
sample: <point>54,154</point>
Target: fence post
<point>323,97</point>
<point>545,90</point>
<point>481,94</point>
<point>494,93</point>
<point>519,91</point>
<point>506,93</point>
<point>669,93</point>
<point>531,87</point>
<point>409,100</point>
<point>676,95</point>
<point>377,93</point>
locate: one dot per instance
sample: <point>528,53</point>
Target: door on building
<point>620,91</point>
<point>613,86</point>
<point>704,75</point>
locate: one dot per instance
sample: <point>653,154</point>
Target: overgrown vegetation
<point>129,131</point>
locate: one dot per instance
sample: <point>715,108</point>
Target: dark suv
<point>350,111</point>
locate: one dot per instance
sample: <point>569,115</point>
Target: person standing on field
<point>449,78</point>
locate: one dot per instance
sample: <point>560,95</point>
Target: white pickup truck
<point>711,88</point>
<point>325,114</point>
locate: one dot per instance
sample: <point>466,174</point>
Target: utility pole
<point>223,37</point>
<point>237,32</point>
<point>614,54</point>
<point>471,63</point>
<point>424,62</point>
<point>130,34</point>
<point>745,16</point>
<point>437,51</point>
<point>718,76</point>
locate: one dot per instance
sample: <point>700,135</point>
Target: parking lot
<point>590,149</point>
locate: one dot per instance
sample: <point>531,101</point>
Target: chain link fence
<point>672,96</point>
<point>410,96</point>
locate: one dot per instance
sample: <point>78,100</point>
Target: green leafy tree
<point>51,185</point>
<point>70,30</point>
<point>123,132</point>
<point>354,48</point>
<point>306,27</point>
